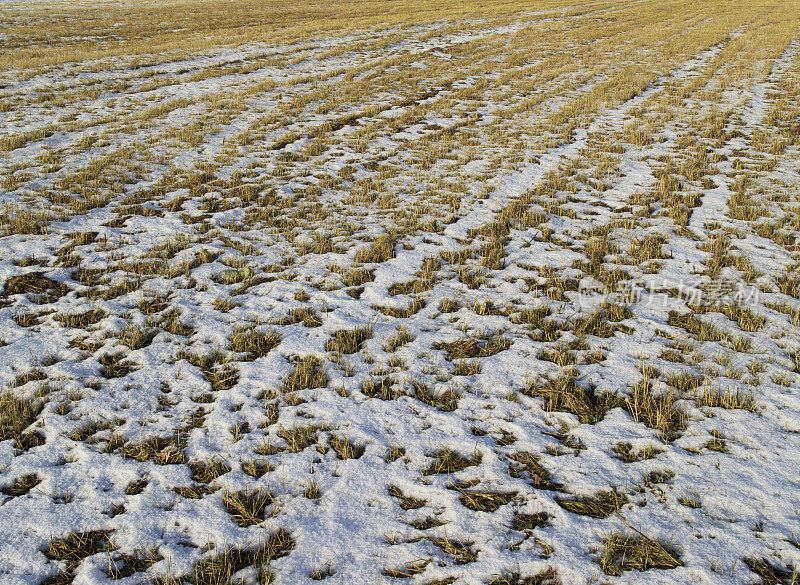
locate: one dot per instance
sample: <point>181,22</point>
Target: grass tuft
<point>252,342</point>
<point>527,465</point>
<point>601,505</point>
<point>381,250</point>
<point>771,574</point>
<point>308,373</point>
<point>348,341</point>
<point>247,507</point>
<point>484,500</point>
<point>636,553</point>
<point>564,395</point>
<point>208,471</point>
<point>471,347</point>
<point>34,283</point>
<point>16,415</point>
<point>22,485</point>
<point>523,521</point>
<point>299,437</point>
<point>345,449</point>
<point>219,569</point>
<point>76,546</point>
<point>732,400</point>
<point>448,461</point>
<point>547,577</point>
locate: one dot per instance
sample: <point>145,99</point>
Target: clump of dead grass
<point>547,577</point>
<point>446,400</point>
<point>247,507</point>
<point>527,464</point>
<point>220,568</point>
<point>449,461</point>
<point>16,415</point>
<point>526,522</point>
<point>160,450</point>
<point>305,315</point>
<point>252,342</point>
<point>657,410</point>
<point>460,550</point>
<point>770,573</point>
<point>636,553</point>
<point>348,341</point>
<point>308,373</point>
<point>628,454</point>
<point>407,502</point>
<point>484,500</point>
<point>81,320</point>
<point>600,505</point>
<point>22,485</point>
<point>563,394</point>
<point>300,437</point>
<point>381,250</point>
<point>208,471</point>
<point>345,448</point>
<point>35,283</point>
<point>76,546</point>
<point>729,400</point>
<point>473,347</point>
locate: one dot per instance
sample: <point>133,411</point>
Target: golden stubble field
<point>400,292</point>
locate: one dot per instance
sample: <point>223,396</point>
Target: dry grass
<point>136,487</point>
<point>384,389</point>
<point>406,502</point>
<point>16,415</point>
<point>445,400</point>
<point>399,339</point>
<point>247,507</point>
<point>137,337</point>
<point>565,395</point>
<point>394,453</point>
<point>626,452</point>
<point>163,451</point>
<point>115,365</point>
<point>81,320</point>
<point>305,315</point>
<point>346,449</point>
<point>547,577</point>
<point>34,283</point>
<point>299,437</point>
<point>408,570</point>
<point>657,410</point>
<point>22,485</point>
<point>471,347</point>
<point>346,165</point>
<point>76,546</point>
<point>601,505</point>
<point>484,500</point>
<point>381,250</point>
<point>308,373</point>
<point>730,400</point>
<point>252,342</point>
<point>524,521</point>
<point>348,341</point>
<point>771,574</point>
<point>461,551</point>
<point>208,471</point>
<point>218,569</point>
<point>449,461</point>
<point>636,553</point>
<point>527,465</point>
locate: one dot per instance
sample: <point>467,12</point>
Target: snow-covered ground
<point>480,302</point>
